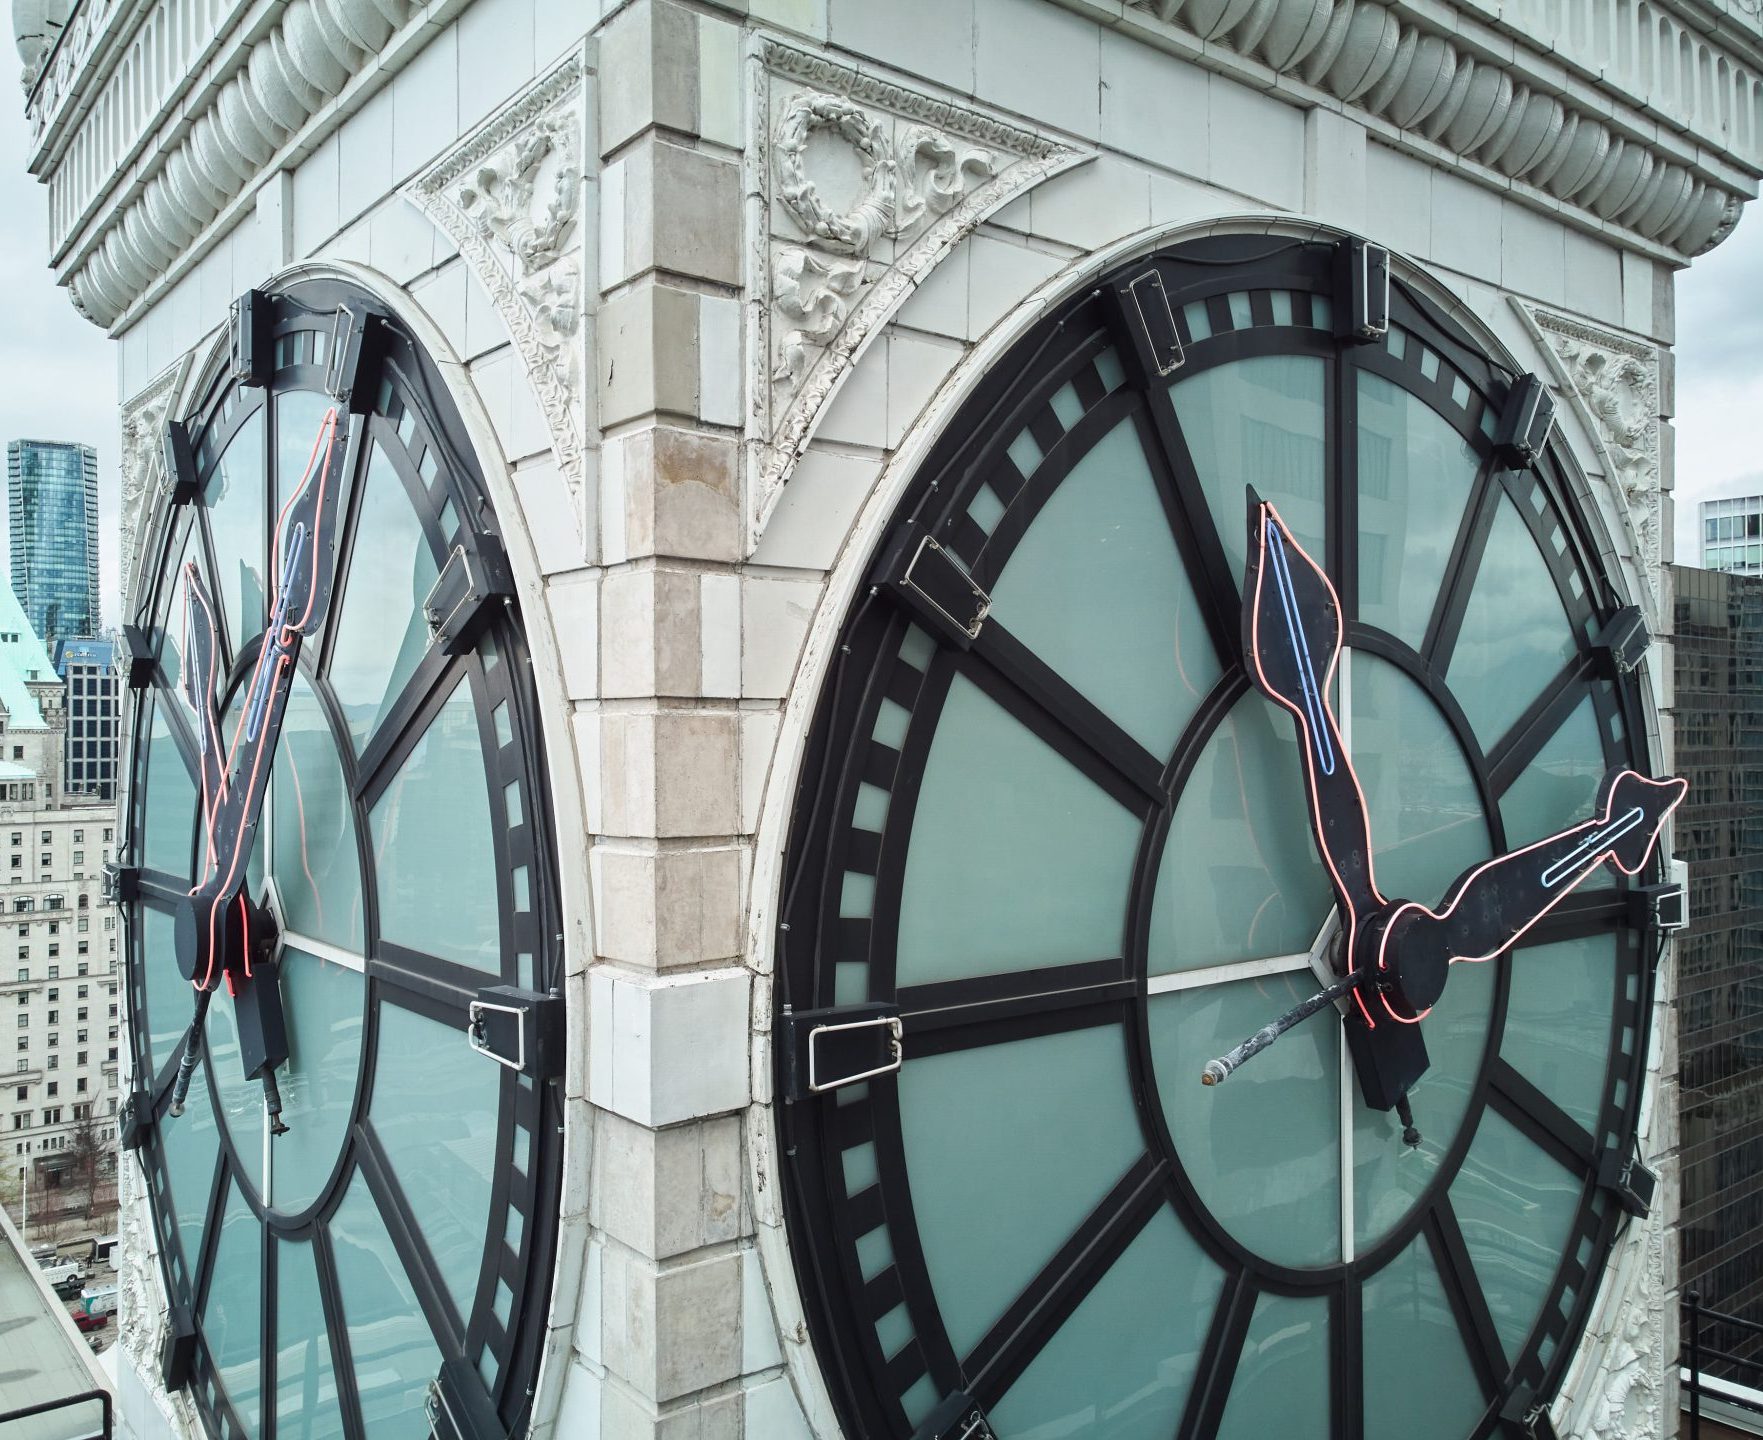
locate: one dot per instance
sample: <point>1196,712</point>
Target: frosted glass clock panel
<point>401,1232</point>
<point>1063,846</point>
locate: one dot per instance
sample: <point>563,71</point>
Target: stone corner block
<point>670,772</point>
<point>662,909</point>
<point>671,1330</point>
<point>667,1192</point>
<point>668,1048</point>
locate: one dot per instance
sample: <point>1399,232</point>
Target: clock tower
<point>908,722</point>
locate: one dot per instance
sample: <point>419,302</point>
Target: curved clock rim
<point>458,413</point>
<point>876,519</point>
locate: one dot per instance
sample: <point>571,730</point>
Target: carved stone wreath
<point>143,424</point>
<point>930,170</point>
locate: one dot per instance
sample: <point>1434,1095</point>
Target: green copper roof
<point>22,659</point>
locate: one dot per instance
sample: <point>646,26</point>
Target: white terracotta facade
<point>705,282</point>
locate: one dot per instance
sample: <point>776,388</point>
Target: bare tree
<point>88,1148</point>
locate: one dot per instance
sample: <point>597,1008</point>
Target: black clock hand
<point>216,921</point>
<point>1490,906</point>
<point>1292,636</point>
<point>1291,645</point>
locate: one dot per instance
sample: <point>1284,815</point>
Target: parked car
<point>87,1321</point>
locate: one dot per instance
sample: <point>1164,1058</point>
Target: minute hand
<point>1292,643</point>
<point>1488,908</point>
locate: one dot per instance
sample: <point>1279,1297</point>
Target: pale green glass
<point>306,1401</point>
<point>1281,1385</point>
<point>1097,589</point>
<point>1432,1391</point>
<point>170,825</point>
<point>297,417</point>
<point>241,1100</point>
<point>316,858</point>
<point>1389,1176</point>
<point>232,1312</point>
<point>237,497</point>
<point>1009,1147</point>
<point>434,849</point>
<point>434,1113</point>
<point>1264,1150</point>
<point>192,1145</point>
<point>171,1001</point>
<point>381,633</point>
<point>1258,422</point>
<point>171,653</point>
<point>1516,1205</point>
<point>393,1353</point>
<point>1415,474</point>
<point>1239,878</point>
<point>1122,1365</point>
<point>1515,635</point>
<point>1558,1019</point>
<point>1559,788</point>
<point>323,1001</point>
<point>1427,825</point>
<point>1017,859</point>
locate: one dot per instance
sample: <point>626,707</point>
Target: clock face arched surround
<point>1065,848</point>
<point>403,1230</point>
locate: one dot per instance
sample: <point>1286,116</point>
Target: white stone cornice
<point>1498,109</point>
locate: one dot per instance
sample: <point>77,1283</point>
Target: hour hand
<point>1291,644</point>
<point>1492,905</point>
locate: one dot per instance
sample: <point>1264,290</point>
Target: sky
<point>60,371</point>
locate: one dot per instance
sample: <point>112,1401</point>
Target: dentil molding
<point>512,196</point>
<point>838,261</point>
<point>1613,383</point>
<point>1427,81</point>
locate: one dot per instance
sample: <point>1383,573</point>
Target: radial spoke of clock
<point>420,1266</point>
<point>1073,713</point>
<point>1460,571</point>
<point>1512,756</point>
<point>443,989</point>
<point>1469,1303</point>
<point>991,1009</point>
<point>1196,535</point>
<point>1539,1117</point>
<point>1217,1367</point>
<point>1048,1300</point>
<point>337,1326</point>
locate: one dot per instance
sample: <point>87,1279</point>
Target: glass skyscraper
<point>52,495</point>
<point>1732,535</point>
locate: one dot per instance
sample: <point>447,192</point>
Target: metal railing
<point>49,1407</point>
<point>1697,1354</point>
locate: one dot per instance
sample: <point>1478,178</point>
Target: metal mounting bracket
<point>521,1029</point>
<point>832,1048</point>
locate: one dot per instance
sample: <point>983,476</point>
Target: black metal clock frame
<point>1463,385</point>
<point>411,419</point>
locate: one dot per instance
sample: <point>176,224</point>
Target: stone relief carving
<point>833,269</point>
<point>143,468</point>
<point>1616,382</point>
<point>1624,1396</point>
<point>511,196</point>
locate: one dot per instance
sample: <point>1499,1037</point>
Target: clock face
<point>403,1224</point>
<point>1066,846</point>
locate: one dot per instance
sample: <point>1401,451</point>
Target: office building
<point>52,514</point>
<point>1718,625</point>
<point>1732,535</point>
<point>94,715</point>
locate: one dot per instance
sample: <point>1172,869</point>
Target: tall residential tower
<point>52,505</point>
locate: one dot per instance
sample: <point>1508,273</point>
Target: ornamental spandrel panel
<point>865,186</point>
